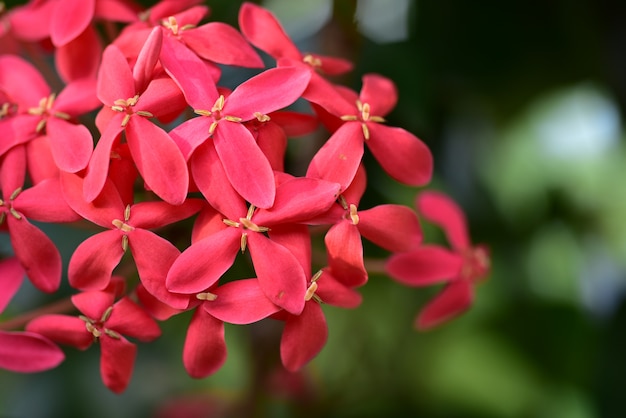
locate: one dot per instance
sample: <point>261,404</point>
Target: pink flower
<point>460,269</point>
<point>22,351</point>
<point>107,322</point>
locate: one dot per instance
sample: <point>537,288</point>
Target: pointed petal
<point>453,300</point>
<point>380,93</point>
<point>328,96</point>
<point>130,319</point>
<point>426,265</point>
<point>190,134</point>
<point>240,302</point>
<point>393,227</point>
<point>78,97</point>
<point>117,359</point>
<point>345,254</point>
<point>265,32</point>
<point>190,73</point>
<point>26,352</point>
<point>272,140</point>
<point>150,215</point>
<point>340,157</point>
<point>70,20</point>
<point>210,177</point>
<point>94,260</point>
<point>158,159</point>
<point>163,99</point>
<point>153,306</point>
<point>115,79</point>
<point>223,44</point>
<point>153,257</point>
<point>99,163</point>
<point>21,81</point>
<point>205,348</point>
<point>194,272</point>
<point>304,336</point>
<point>62,329</point>
<point>12,171</point>
<point>101,211</point>
<point>267,92</point>
<point>71,144</point>
<point>79,58</point>
<point>401,154</point>
<point>331,291</point>
<point>245,164</point>
<point>334,65</point>
<point>44,202</point>
<point>11,277</point>
<point>37,253</point>
<point>297,239</point>
<point>441,210</point>
<point>147,59</point>
<point>93,304</point>
<point>115,10</point>
<point>280,274</point>
<point>298,200</point>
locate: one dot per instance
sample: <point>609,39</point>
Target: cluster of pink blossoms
<point>220,169</point>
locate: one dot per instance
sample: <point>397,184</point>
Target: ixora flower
<point>107,322</point>
<point>22,351</point>
<point>460,268</point>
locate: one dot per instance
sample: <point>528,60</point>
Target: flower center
<point>172,24</point>
<point>7,206</point>
<point>246,224</point>
<point>476,264</point>
<point>364,117</point>
<point>126,106</point>
<point>124,227</point>
<point>45,110</point>
<point>216,114</point>
<point>310,292</point>
<point>96,326</point>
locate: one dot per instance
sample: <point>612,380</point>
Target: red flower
<point>22,351</point>
<point>105,322</point>
<point>460,269</point>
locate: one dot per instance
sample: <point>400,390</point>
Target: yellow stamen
<point>206,296</point>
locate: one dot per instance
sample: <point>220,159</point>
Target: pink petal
<point>12,171</point>
<point>208,222</point>
<point>328,96</point>
<point>295,124</point>
<point>21,81</point>
<point>166,8</point>
<point>32,21</point>
<point>147,59</point>
<point>453,300</point>
<point>158,159</point>
<point>393,227</point>
<point>117,359</point>
<point>424,266</point>
<point>41,165</point>
<point>79,58</point>
<point>153,257</point>
<point>116,10</point>
<point>297,239</point>
<point>240,302</point>
<point>401,154</point>
<point>11,278</point>
<point>150,215</point>
<point>267,92</point>
<point>265,32</point>
<point>334,65</point>
<point>78,97</point>
<point>340,157</point>
<point>153,306</point>
<point>210,177</point>
<point>272,141</point>
<point>245,165</point>
<point>26,352</point>
<point>163,99</point>
<point>194,272</point>
<point>205,349</point>
<point>45,202</point>
<point>280,274</point>
<point>444,212</point>
<point>99,164</point>
<point>94,260</point>
<point>190,134</point>
<point>93,304</point>
<point>128,318</point>
<point>223,44</point>
<point>345,254</point>
<point>331,291</point>
<point>298,200</point>
<point>380,93</point>
<point>101,211</point>
<point>68,21</point>
<point>304,336</point>
<point>71,144</point>
<point>190,73</point>
<point>37,253</point>
<point>62,329</point>
<point>115,79</point>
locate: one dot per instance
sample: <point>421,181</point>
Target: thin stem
<point>60,306</point>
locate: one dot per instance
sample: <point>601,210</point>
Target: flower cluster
<point>186,174</point>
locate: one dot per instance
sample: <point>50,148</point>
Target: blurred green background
<point>521,103</point>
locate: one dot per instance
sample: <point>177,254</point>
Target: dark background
<point>521,103</point>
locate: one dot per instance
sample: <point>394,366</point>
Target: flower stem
<point>60,306</point>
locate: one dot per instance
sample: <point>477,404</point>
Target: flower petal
<point>70,20</point>
<point>240,302</point>
<point>45,202</point>
<point>205,348</point>
<point>393,227</point>
<point>147,59</point>
<point>223,44</point>
<point>79,58</point>
<point>345,254</point>
<point>304,336</point>
<point>423,266</point>
<point>380,93</point>
<point>115,79</point>
<point>453,300</point>
<point>128,318</point>
<point>94,260</point>
<point>11,277</point>
<point>439,209</point>
<point>62,329</point>
<point>117,359</point>
<point>27,352</point>
<point>71,144</point>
